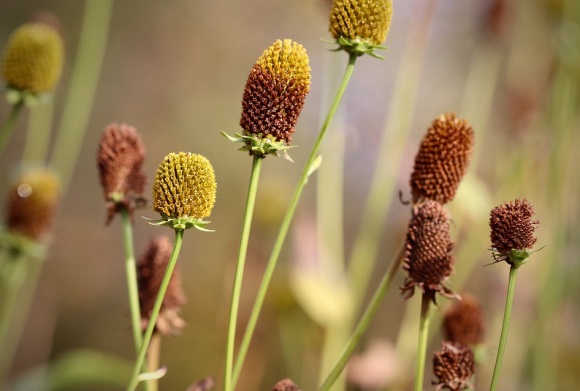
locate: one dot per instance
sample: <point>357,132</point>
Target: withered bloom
<point>512,231</point>
<point>454,365</point>
<point>275,92</point>
<point>464,322</point>
<point>120,160</point>
<point>442,159</point>
<point>360,26</point>
<point>428,246</point>
<point>285,385</point>
<point>150,270</point>
<point>32,203</point>
<point>33,58</point>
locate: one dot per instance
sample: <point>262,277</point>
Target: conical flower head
<point>150,271</point>
<point>32,203</point>
<point>454,365</point>
<point>285,385</point>
<point>120,159</point>
<point>33,58</point>
<point>184,188</point>
<point>442,159</point>
<point>275,92</point>
<point>360,26</point>
<point>428,259</point>
<point>464,322</point>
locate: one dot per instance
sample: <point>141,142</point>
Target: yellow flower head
<point>33,58</point>
<point>184,188</point>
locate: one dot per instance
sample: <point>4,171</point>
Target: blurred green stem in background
<point>423,341</point>
<point>8,126</point>
<point>237,288</point>
<point>311,165</point>
<point>38,134</point>
<point>82,89</point>
<point>153,360</point>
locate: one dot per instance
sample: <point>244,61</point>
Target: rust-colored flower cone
<point>464,322</point>
<point>454,365</point>
<point>512,227</point>
<point>285,385</point>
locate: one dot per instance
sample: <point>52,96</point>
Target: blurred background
<point>176,71</point>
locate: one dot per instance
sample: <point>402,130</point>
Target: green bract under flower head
<point>184,190</point>
<point>33,58</point>
<point>360,26</point>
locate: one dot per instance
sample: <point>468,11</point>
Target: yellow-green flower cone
<point>33,58</point>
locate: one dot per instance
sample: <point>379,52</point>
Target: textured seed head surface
<point>512,227</point>
<point>453,365</point>
<point>275,91</point>
<point>442,160</point>
<point>464,321</point>
<point>285,385</point>
<point>33,58</point>
<point>367,20</point>
<point>184,186</point>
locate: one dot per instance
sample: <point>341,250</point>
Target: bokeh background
<point>176,70</point>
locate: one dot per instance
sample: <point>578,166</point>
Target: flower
<point>285,385</point>
<point>464,322</point>
<point>454,365</point>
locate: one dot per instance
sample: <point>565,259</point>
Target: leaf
<point>314,166</point>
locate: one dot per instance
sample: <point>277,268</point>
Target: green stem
<point>131,273</point>
<point>153,360</point>
<point>364,321</point>
<point>423,339</point>
<point>155,312</point>
<point>287,220</point>
<point>504,327</point>
<point>83,87</point>
<point>237,289</point>
<point>38,134</point>
<point>8,127</point>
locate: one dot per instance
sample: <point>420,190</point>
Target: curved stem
<point>237,289</point>
<point>308,167</point>
<point>364,321</point>
<point>504,327</point>
<point>131,273</point>
<point>422,346</point>
<point>6,130</point>
<point>155,312</point>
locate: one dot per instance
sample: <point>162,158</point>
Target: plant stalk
<point>8,126</point>
<point>38,134</point>
<point>153,360</point>
<point>423,340</point>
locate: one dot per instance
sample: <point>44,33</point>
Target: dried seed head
<point>454,365</point>
<point>150,271</point>
<point>464,322</point>
<point>32,203</point>
<point>285,385</point>
<point>275,91</point>
<point>184,186</point>
<point>363,20</point>
<point>33,58</point>
<point>512,227</point>
<point>428,259</point>
<point>442,159</point>
<point>120,160</point>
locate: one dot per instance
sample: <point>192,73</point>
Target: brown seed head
<point>32,203</point>
<point>512,227</point>
<point>454,365</point>
<point>285,385</point>
<point>150,270</point>
<point>275,91</point>
<point>33,58</point>
<point>428,259</point>
<point>120,159</point>
<point>365,20</point>
<point>442,159</point>
<point>464,322</point>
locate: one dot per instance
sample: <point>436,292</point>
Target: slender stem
<point>38,134</point>
<point>6,130</point>
<point>131,273</point>
<point>364,321</point>
<point>155,312</point>
<point>504,327</point>
<point>153,359</point>
<point>423,339</point>
<point>287,220</point>
<point>237,289</point>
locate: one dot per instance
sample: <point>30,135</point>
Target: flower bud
<point>285,385</point>
<point>464,322</point>
<point>454,365</point>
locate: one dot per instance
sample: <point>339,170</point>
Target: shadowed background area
<point>176,71</point>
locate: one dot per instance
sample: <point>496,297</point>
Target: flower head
<point>454,365</point>
<point>184,190</point>
<point>464,321</point>
<point>512,231</point>
<point>360,26</point>
<point>285,385</point>
<point>33,58</point>
<point>442,159</point>
<point>428,259</point>
<point>32,203</point>
<point>120,159</point>
<point>150,270</point>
